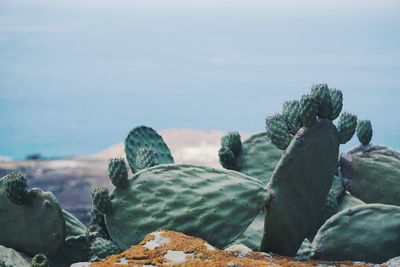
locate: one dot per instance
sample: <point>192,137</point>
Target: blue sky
<point>75,76</point>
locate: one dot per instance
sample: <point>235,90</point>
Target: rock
<point>167,248</point>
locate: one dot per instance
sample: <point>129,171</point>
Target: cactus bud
<point>227,158</point>
<point>118,172</point>
<point>323,97</point>
<point>233,142</point>
<point>17,188</point>
<point>346,127</point>
<point>145,158</point>
<point>102,248</point>
<point>337,103</point>
<point>40,260</point>
<point>101,200</point>
<point>308,110</point>
<point>291,114</point>
<point>277,131</point>
<point>364,131</point>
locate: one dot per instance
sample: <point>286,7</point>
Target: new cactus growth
<point>145,158</point>
<point>278,131</point>
<point>17,188</point>
<point>232,141</point>
<point>40,260</point>
<point>143,136</point>
<point>323,98</point>
<point>227,158</point>
<point>346,127</point>
<point>185,198</point>
<point>337,103</point>
<point>308,110</point>
<point>101,200</point>
<point>364,131</point>
<point>369,233</point>
<point>291,114</point>
<point>102,248</point>
<point>118,172</point>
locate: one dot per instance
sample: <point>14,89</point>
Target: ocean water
<point>76,76</point>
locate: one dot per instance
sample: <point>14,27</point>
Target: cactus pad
<point>145,158</point>
<point>291,114</point>
<point>323,97</point>
<point>233,142</point>
<point>308,165</point>
<point>278,131</point>
<point>214,204</point>
<point>373,174</point>
<point>37,227</point>
<point>347,201</point>
<point>364,131</point>
<point>118,172</point>
<point>346,127</point>
<point>17,188</point>
<point>227,158</point>
<point>252,236</point>
<point>102,248</point>
<point>143,136</point>
<point>369,233</point>
<point>308,110</point>
<point>101,200</point>
<point>337,103</point>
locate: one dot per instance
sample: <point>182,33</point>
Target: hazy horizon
<point>76,76</point>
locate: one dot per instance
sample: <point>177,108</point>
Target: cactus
<point>323,97</point>
<point>346,127</point>
<point>97,226</point>
<point>369,233</point>
<point>233,142</point>
<point>143,136</point>
<point>37,226</point>
<point>305,251</point>
<point>40,260</point>
<point>101,200</point>
<point>73,226</point>
<point>185,198</point>
<point>145,158</point>
<point>308,110</point>
<point>291,114</point>
<point>118,172</point>
<point>12,258</point>
<point>364,131</point>
<point>252,236</point>
<point>348,201</point>
<point>278,131</point>
<point>257,158</point>
<point>337,103</point>
<point>17,188</point>
<point>373,174</point>
<point>102,248</point>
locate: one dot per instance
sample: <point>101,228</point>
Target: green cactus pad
<point>369,233</point>
<point>364,131</point>
<point>373,174</point>
<point>308,110</point>
<point>348,200</point>
<point>143,136</point>
<point>291,114</point>
<point>36,227</point>
<point>73,226</point>
<point>101,200</point>
<point>145,158</point>
<point>299,186</point>
<point>102,248</point>
<point>252,236</point>
<point>75,249</point>
<point>346,127</point>
<point>17,188</point>
<point>337,103</point>
<point>118,172</point>
<point>278,131</point>
<point>305,251</point>
<point>323,97</point>
<point>40,260</point>
<point>214,204</point>
<point>233,142</point>
<point>227,158</point>
<point>10,258</point>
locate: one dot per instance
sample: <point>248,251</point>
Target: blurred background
<point>76,76</point>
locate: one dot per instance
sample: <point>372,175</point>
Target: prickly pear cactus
<point>145,158</point>
<point>369,233</point>
<point>101,200</point>
<point>337,103</point>
<point>305,251</point>
<point>323,97</point>
<point>347,201</point>
<point>373,174</point>
<point>252,236</point>
<point>185,198</point>
<point>102,248</point>
<point>10,258</point>
<point>291,115</point>
<point>278,131</point>
<point>346,126</point>
<point>73,226</point>
<point>299,186</point>
<point>37,226</point>
<point>17,188</point>
<point>364,131</point>
<point>118,172</point>
<point>308,110</point>
<point>143,136</point>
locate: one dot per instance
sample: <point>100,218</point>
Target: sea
<point>76,76</point>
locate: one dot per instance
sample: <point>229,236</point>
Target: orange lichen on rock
<point>172,249</point>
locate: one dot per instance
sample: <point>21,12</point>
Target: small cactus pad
<point>227,158</point>
<point>35,228</point>
<point>252,236</point>
<point>368,233</point>
<point>337,103</point>
<point>291,114</point>
<point>118,172</point>
<point>10,258</point>
<point>102,248</point>
<point>185,198</point>
<point>308,110</point>
<point>101,200</point>
<point>348,201</point>
<point>373,174</point>
<point>346,127</point>
<point>143,136</point>
<point>258,157</point>
<point>233,142</point>
<point>364,131</point>
<point>145,158</point>
<point>277,131</point>
<point>299,186</point>
<point>323,97</point>
<point>40,260</point>
<point>17,188</point>
<point>73,226</point>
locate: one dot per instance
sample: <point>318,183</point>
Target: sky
<point>76,76</point>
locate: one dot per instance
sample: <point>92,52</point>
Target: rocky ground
<point>71,179</point>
